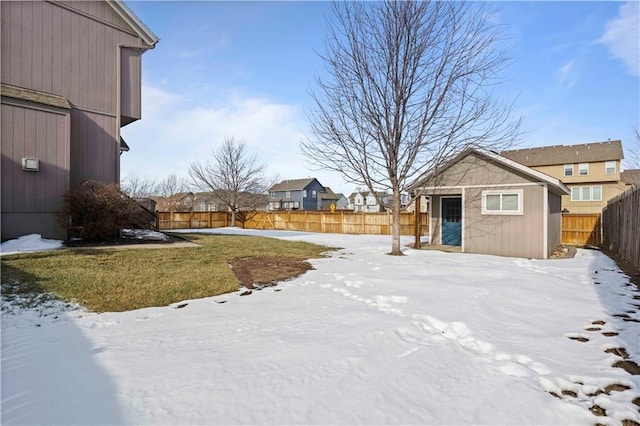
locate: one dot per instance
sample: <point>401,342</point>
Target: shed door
<point>452,221</point>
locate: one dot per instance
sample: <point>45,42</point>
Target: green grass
<point>126,279</point>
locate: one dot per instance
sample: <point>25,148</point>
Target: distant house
<point>328,198</point>
<point>71,78</point>
<point>216,201</point>
<point>591,171</point>
<point>296,194</point>
<point>486,203</point>
<point>630,176</point>
<point>180,202</point>
<point>366,201</point>
<point>342,203</point>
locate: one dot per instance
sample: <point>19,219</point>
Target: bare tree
<point>234,177</point>
<point>138,187</point>
<point>410,84</point>
<point>632,160</point>
<point>171,185</point>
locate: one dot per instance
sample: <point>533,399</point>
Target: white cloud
<point>622,36</point>
<point>174,133</point>
<point>566,75</point>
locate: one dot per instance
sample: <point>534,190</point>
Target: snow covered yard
<point>365,338</point>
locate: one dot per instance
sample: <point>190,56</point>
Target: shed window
<point>502,202</point>
<point>568,169</point>
<point>583,169</point>
<point>610,167</point>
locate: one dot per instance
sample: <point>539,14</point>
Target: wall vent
<point>30,164</point>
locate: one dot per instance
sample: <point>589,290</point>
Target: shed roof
<point>36,96</point>
<point>293,185</point>
<point>555,184</point>
<point>630,176</point>
<point>567,154</point>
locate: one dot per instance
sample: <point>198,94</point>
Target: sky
<point>364,338</point>
<point>246,69</point>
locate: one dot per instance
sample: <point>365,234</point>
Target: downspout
<point>545,221</point>
<point>119,95</point>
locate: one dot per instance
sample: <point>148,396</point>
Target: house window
<point>610,167</point>
<point>583,169</point>
<point>502,202</point>
<point>568,169</point>
<point>586,193</point>
<point>304,193</point>
<point>273,194</point>
<point>288,194</point>
<point>314,193</point>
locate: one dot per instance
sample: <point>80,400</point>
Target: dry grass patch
<point>122,280</point>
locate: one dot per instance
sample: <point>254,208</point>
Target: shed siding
<point>31,200</point>
<point>554,230</point>
<point>505,235</point>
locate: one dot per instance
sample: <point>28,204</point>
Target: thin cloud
<point>622,36</point>
<point>566,75</point>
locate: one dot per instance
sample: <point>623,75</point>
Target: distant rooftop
<point>567,154</point>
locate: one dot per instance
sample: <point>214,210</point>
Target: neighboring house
<point>630,176</point>
<point>486,203</point>
<point>179,202</point>
<point>591,171</point>
<point>211,202</point>
<point>366,202</point>
<point>296,194</point>
<point>342,203</point>
<point>70,79</point>
<point>328,198</point>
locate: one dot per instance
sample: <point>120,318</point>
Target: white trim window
<point>610,167</point>
<point>287,194</point>
<point>507,202</point>
<point>583,169</point>
<point>586,193</point>
<point>314,194</point>
<point>568,170</point>
<point>304,193</point>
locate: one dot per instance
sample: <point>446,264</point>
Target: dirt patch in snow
<point>258,272</point>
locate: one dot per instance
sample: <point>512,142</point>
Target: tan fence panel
<point>581,229</point>
<point>621,223</point>
<point>342,222</point>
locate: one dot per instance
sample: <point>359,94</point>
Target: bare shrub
<point>98,211</point>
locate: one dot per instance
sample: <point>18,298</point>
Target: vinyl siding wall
<point>31,200</point>
<point>58,48</point>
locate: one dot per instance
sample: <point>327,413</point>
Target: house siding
<point>31,200</point>
<point>58,48</point>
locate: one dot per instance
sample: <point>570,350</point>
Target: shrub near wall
<point>97,211</point>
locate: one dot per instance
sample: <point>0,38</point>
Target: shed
<point>488,204</point>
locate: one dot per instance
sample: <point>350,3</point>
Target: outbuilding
<point>488,204</point>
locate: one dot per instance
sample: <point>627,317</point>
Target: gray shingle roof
<point>292,185</point>
<point>630,176</point>
<point>567,154</point>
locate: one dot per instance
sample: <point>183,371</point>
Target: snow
<point>29,243</point>
<point>364,338</point>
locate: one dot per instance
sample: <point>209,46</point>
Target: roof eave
<point>134,22</point>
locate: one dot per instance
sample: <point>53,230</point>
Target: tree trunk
<point>395,226</point>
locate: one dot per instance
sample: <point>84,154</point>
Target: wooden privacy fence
<point>581,229</point>
<point>621,223</point>
<point>341,222</point>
